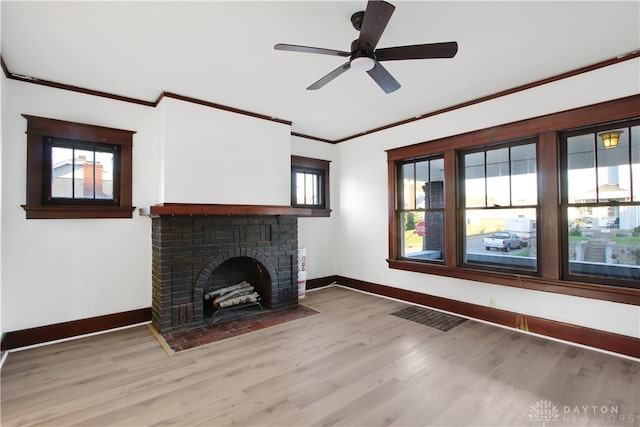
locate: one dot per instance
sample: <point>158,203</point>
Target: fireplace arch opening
<point>233,274</point>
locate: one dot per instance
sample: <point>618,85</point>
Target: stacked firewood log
<point>229,296</point>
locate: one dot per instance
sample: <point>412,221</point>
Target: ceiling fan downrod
<point>356,20</point>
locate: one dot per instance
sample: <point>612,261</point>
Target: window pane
<point>511,179</point>
<point>498,185</point>
<point>437,170</point>
<point>614,177</point>
<point>524,180</point>
<point>474,183</point>
<point>603,226</point>
<point>84,175</point>
<point>81,173</point>
<point>605,241</point>
<point>317,194</point>
<point>581,168</point>
<point>62,169</point>
<point>413,230</point>
<point>308,187</point>
<point>436,187</point>
<point>421,224</point>
<point>300,187</point>
<point>104,175</point>
<point>422,178</point>
<point>408,181</point>
<point>422,236</point>
<point>503,237</point>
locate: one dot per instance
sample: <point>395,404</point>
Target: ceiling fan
<point>365,57</point>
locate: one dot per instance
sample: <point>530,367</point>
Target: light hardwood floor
<point>352,364</point>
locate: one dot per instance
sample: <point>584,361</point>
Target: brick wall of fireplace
<point>433,239</point>
<point>193,254</point>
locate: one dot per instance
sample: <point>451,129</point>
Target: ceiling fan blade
<point>332,75</point>
<point>376,17</point>
<point>384,79</point>
<point>418,51</point>
<point>308,49</point>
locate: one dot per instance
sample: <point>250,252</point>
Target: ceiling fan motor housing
<point>362,63</point>
<point>362,56</point>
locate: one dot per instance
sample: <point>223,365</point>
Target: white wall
<point>362,211</point>
<point>216,156</point>
<point>2,82</point>
<point>318,234</point>
<point>61,270</point>
<point>52,270</point>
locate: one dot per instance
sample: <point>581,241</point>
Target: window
<point>601,204</point>
<point>500,206</point>
<point>308,189</point>
<point>81,171</point>
<point>310,185</point>
<point>421,208</point>
<point>559,212</point>
<point>77,170</point>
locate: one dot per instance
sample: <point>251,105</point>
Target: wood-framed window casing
<point>319,169</point>
<point>40,132</point>
<point>547,130</point>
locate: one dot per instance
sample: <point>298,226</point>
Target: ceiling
<point>222,52</point>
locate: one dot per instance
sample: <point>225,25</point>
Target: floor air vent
<point>433,318</point>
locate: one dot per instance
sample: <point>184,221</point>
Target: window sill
<point>579,289</point>
<point>77,212</point>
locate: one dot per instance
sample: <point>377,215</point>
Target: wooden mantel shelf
<point>175,209</point>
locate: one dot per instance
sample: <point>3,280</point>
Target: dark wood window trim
<point>38,130</point>
<point>546,129</point>
<point>316,166</point>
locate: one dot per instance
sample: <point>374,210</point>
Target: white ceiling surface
<point>222,52</point>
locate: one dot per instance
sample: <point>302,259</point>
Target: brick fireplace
<point>198,248</point>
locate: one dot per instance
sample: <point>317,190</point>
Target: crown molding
<point>315,138</point>
<point>565,75</point>
<point>28,79</point>
<point>602,64</point>
<point>220,107</point>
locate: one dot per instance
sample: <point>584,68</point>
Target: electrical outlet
<point>492,302</point>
